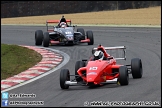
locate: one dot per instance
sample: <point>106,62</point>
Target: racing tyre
<point>78,65</point>
<point>90,36</point>
<point>38,37</point>
<point>136,68</point>
<point>123,75</point>
<point>64,76</point>
<point>93,51</point>
<point>82,31</point>
<point>46,39</point>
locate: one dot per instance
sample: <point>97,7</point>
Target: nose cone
<point>90,79</point>
<point>91,76</point>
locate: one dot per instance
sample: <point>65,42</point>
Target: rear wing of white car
<point>115,48</point>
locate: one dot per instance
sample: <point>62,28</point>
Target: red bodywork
<point>100,70</point>
<point>86,40</point>
<point>57,42</point>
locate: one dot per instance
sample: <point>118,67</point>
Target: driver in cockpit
<point>62,20</point>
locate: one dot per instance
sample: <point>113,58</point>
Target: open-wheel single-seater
<point>98,72</point>
<point>62,34</point>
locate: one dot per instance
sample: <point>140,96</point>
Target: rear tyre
<point>82,31</point>
<point>90,36</point>
<point>46,39</point>
<point>123,76</point>
<point>64,76</point>
<point>38,37</point>
<point>136,68</point>
<point>78,65</point>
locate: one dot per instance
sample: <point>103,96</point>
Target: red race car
<point>102,68</point>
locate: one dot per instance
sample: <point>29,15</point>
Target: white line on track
<point>66,59</point>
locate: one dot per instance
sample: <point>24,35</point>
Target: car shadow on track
<point>92,87</point>
<point>69,45</point>
<point>105,86</point>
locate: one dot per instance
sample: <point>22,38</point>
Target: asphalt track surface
<point>144,43</point>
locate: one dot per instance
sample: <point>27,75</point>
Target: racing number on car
<point>68,32</point>
<point>93,68</point>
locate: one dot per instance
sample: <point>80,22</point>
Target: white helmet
<point>63,24</point>
<point>98,55</point>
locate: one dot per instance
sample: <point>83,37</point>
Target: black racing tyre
<point>123,75</point>
<point>46,39</point>
<point>136,68</point>
<point>93,51</point>
<point>82,31</point>
<point>38,37</point>
<point>90,36</point>
<point>64,76</point>
<point>78,65</point>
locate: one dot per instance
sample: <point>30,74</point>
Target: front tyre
<point>78,65</point>
<point>123,75</point>
<point>38,37</point>
<point>64,76</point>
<point>83,33</point>
<point>46,39</point>
<point>90,37</point>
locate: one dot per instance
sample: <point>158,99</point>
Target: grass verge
<point>15,59</point>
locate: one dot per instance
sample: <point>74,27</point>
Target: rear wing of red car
<point>55,21</point>
<point>111,48</point>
